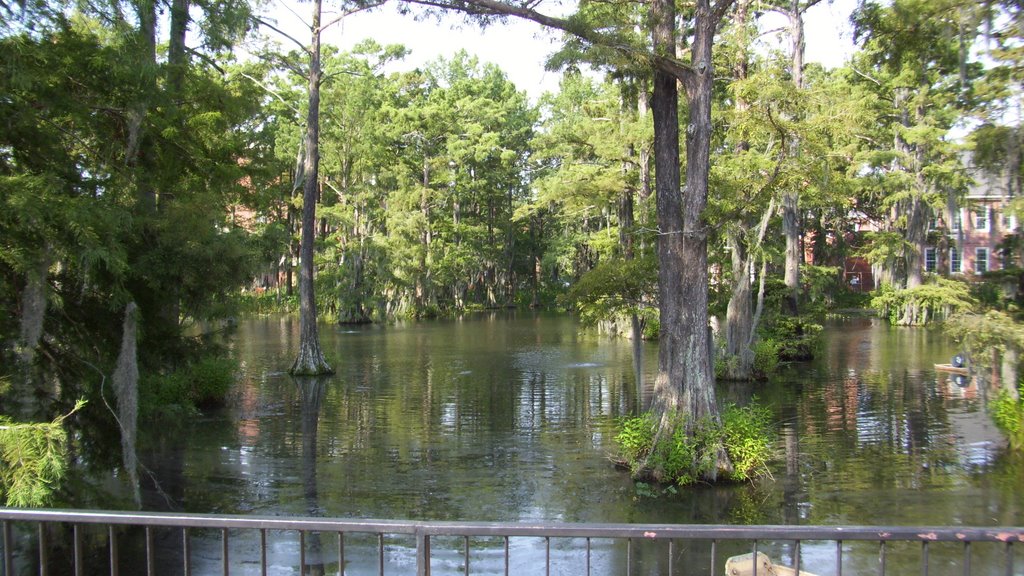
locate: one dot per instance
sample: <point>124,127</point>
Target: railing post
<point>422,553</point>
<point>79,557</point>
<point>8,552</point>
<point>44,557</point>
<point>115,562</point>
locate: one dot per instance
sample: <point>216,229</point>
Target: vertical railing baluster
<point>588,557</point>
<point>1009,558</point>
<point>506,556</point>
<point>465,544</point>
<point>186,551</point>
<point>924,558</point>
<point>380,553</point>
<point>881,557</point>
<point>44,560</point>
<point>796,558</point>
<point>629,557</point>
<point>150,553</point>
<point>547,556</point>
<point>263,552</point>
<point>8,553</point>
<point>839,558</point>
<point>341,554</point>
<point>755,558</point>
<point>714,554</point>
<point>77,549</point>
<point>967,558</point>
<point>671,557</point>
<point>115,564</point>
<point>302,553</point>
<point>224,550</point>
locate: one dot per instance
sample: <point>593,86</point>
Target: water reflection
<point>511,417</point>
<point>311,391</point>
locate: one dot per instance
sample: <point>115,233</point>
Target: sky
<point>520,47</point>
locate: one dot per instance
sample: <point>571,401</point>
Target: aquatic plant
<point>747,434</point>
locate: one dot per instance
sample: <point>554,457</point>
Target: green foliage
<point>635,437</point>
<point>690,454</point>
<point>749,437</point>
<point>820,282</point>
<point>767,352</point>
<point>33,460</point>
<point>205,383</point>
<point>935,300</point>
<point>1008,414</point>
<point>652,325</point>
<point>614,287</point>
<point>794,337</point>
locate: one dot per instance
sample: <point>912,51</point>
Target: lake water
<point>511,417</point>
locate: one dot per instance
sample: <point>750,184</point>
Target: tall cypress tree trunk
<point>739,316</point>
<point>685,381</point>
<point>791,198</point>
<point>310,360</point>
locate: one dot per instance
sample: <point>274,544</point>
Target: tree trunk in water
<point>310,360</point>
<point>126,387</point>
<point>739,318</point>
<point>685,381</point>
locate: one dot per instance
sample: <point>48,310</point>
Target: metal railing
<point>37,541</point>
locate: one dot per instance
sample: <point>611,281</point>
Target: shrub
<point>766,357</point>
<point>1008,414</point>
<point>797,337</point>
<point>746,433</point>
<point>936,300</point>
<point>749,438</point>
<point>636,437</point>
<point>204,383</point>
<point>210,380</point>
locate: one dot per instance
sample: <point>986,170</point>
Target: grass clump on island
<point>747,433</point>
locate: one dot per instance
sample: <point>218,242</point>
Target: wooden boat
<point>950,368</point>
<point>743,565</point>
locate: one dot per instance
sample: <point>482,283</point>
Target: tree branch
<point>345,13</point>
<point>668,65</point>
<point>263,22</point>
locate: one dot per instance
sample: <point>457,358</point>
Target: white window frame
<point>955,264</point>
<point>1009,222</point>
<point>982,219</point>
<point>957,222</point>
<point>933,255</point>
<point>978,257</point>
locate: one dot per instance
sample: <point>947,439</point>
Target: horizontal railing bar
<point>524,528</point>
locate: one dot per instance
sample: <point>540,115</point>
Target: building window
<point>954,261</point>
<point>957,222</point>
<point>931,262</point>
<point>981,219</point>
<point>1009,223</point>
<point>980,260</point>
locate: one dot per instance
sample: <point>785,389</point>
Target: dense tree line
<point>147,175</point>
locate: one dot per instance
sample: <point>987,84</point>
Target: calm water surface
<point>510,417</point>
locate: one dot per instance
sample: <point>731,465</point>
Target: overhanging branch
<point>668,65</point>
